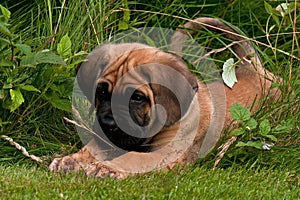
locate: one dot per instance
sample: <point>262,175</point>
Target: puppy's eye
<point>138,97</point>
<point>102,89</point>
<point>101,92</point>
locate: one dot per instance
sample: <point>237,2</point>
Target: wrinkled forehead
<point>125,70</point>
<point>130,80</point>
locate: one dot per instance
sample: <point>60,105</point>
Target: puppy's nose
<point>109,121</point>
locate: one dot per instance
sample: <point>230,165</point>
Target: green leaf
<point>251,124</point>
<point>276,19</point>
<point>6,63</point>
<point>237,132</point>
<point>4,41</point>
<point>60,103</point>
<point>239,113</point>
<point>268,8</point>
<point>2,94</point>
<point>272,137</point>
<point>126,16</point>
<point>28,60</point>
<point>283,127</point>
<point>45,56</point>
<point>264,127</point>
<point>228,73</point>
<point>275,85</point>
<point>123,25</point>
<point>7,86</point>
<point>24,48</point>
<point>5,31</point>
<point>4,123</point>
<point>16,98</point>
<point>30,88</point>
<point>49,57</point>
<point>64,46</point>
<point>255,144</point>
<point>5,12</point>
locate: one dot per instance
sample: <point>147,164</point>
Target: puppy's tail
<point>241,45</point>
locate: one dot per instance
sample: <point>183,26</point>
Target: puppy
<point>152,113</point>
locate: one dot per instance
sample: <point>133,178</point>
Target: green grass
<point>24,182</point>
<point>243,173</point>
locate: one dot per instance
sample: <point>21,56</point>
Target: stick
<point>22,149</point>
<point>83,125</point>
<point>224,150</point>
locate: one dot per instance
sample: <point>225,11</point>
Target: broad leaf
<point>24,48</point>
<point>5,31</point>
<point>237,132</point>
<point>5,12</point>
<point>268,8</point>
<point>228,74</point>
<point>49,57</point>
<point>251,124</point>
<point>271,137</point>
<point>126,16</point>
<point>64,46</point>
<point>284,127</point>
<point>6,63</point>
<point>16,98</point>
<point>123,25</point>
<point>239,113</point>
<point>30,88</point>
<point>60,103</point>
<point>264,127</point>
<point>255,144</point>
<point>45,56</point>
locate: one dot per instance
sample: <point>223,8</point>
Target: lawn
<point>27,182</point>
<point>42,42</point>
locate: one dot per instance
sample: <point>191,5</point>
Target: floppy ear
<point>97,61</point>
<point>177,91</point>
<point>90,70</point>
<point>166,98</point>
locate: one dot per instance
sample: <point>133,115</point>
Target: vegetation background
<point>41,43</point>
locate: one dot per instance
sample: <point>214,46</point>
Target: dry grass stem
<point>83,125</point>
<point>22,149</point>
<point>224,150</point>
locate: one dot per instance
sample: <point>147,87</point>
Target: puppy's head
<point>128,89</point>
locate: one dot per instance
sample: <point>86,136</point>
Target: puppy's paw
<point>65,164</point>
<point>100,170</point>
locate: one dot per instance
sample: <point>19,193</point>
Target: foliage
<point>259,136</point>
<point>30,79</point>
<point>41,42</point>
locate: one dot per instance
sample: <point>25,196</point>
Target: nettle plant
<point>258,135</point>
<point>248,132</point>
<point>251,133</point>
<point>28,75</point>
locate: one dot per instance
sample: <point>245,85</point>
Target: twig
<point>22,149</point>
<point>224,150</point>
<point>83,125</point>
<point>218,50</point>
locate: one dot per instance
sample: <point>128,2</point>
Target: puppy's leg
<point>134,163</point>
<point>75,162</point>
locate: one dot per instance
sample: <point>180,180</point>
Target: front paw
<point>100,170</point>
<point>65,164</point>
